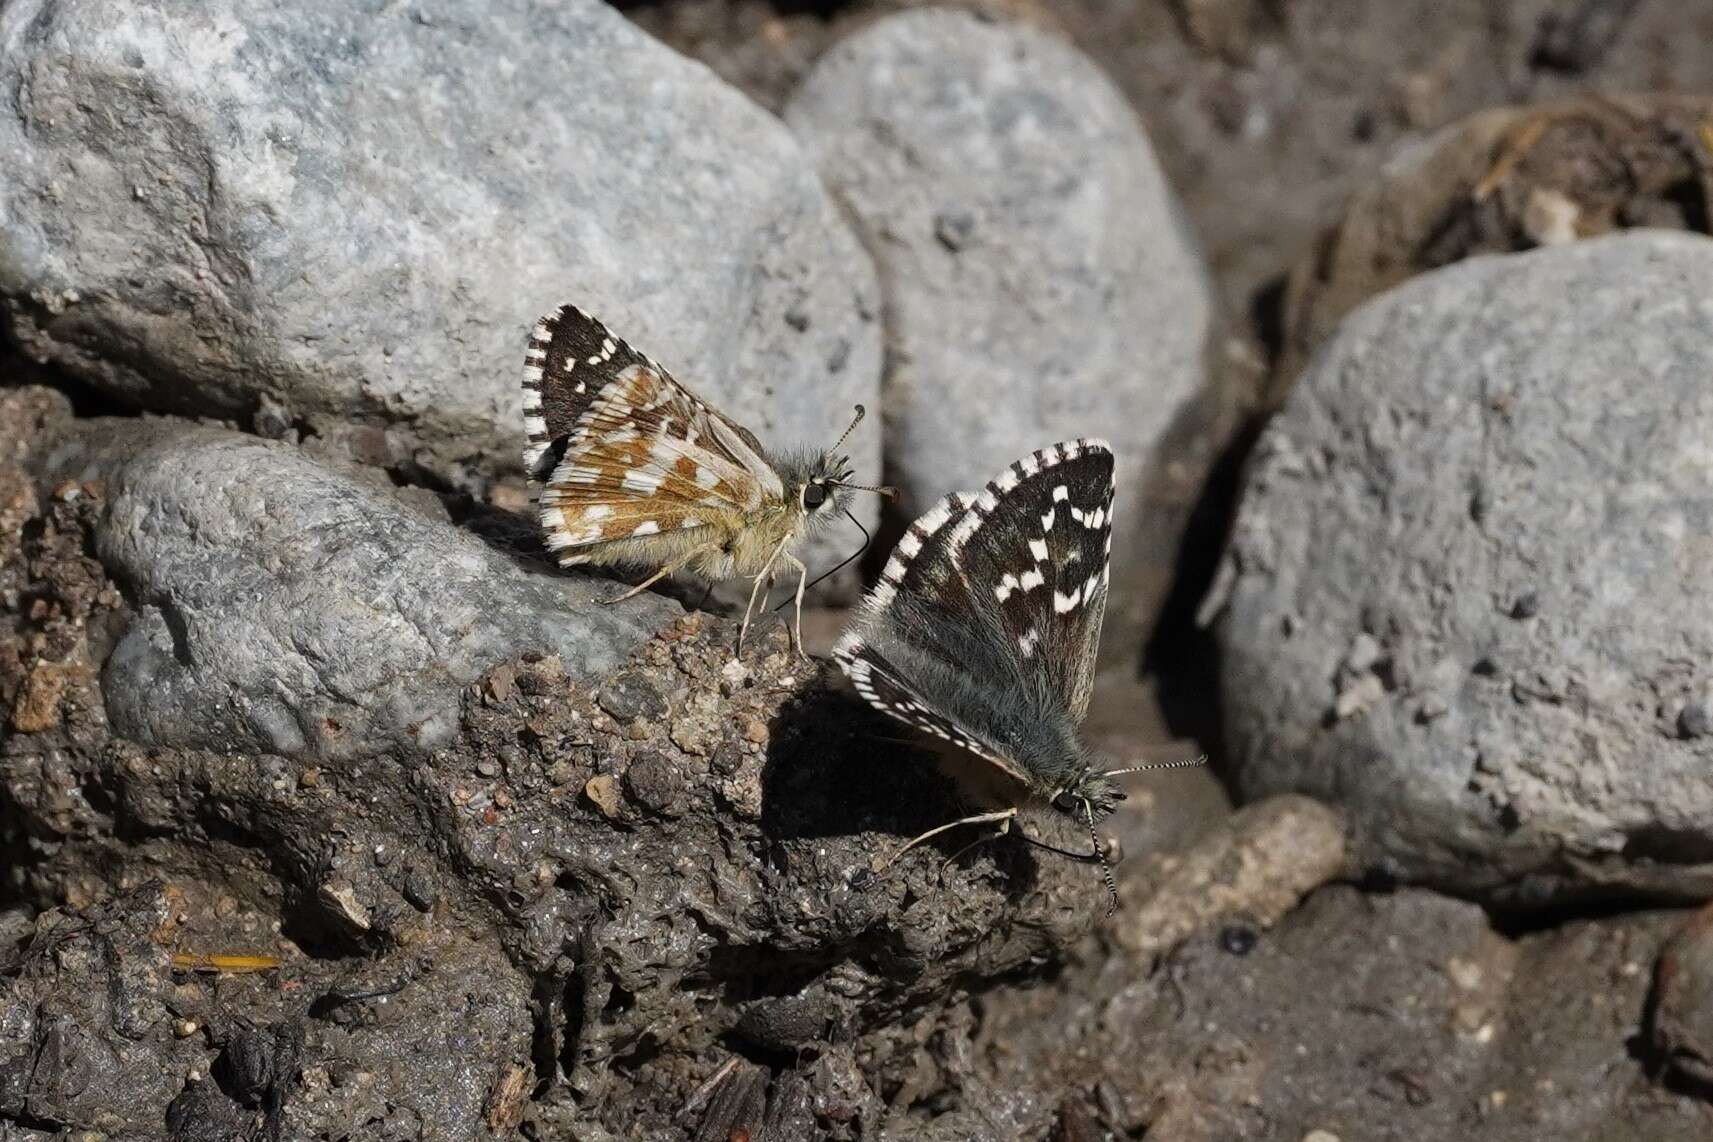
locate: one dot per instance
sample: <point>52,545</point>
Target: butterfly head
<point>821,484</point>
<point>1088,797</point>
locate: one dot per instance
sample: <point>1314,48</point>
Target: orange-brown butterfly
<point>639,470</point>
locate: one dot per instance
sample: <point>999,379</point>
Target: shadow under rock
<point>1182,655</point>
<point>837,768</point>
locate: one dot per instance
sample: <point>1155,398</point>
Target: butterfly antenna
<point>886,490</point>
<point>1105,868</point>
<point>847,561</point>
<point>856,420</point>
<point>840,482</point>
<point>1185,764</point>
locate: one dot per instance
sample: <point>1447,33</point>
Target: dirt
<point>635,912</point>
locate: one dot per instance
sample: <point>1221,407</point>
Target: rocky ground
<point>332,809</point>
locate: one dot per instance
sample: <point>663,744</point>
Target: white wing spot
<point>646,527</point>
<point>1025,582</point>
<point>644,482</point>
<point>1038,548</point>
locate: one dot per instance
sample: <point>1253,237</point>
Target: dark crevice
<point>1183,656</point>
<point>547,1015</point>
<point>87,401</point>
<point>1267,319</point>
<point>1518,921</point>
<point>1689,197</point>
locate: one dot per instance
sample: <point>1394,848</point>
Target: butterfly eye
<point>814,496</point>
<point>1065,803</point>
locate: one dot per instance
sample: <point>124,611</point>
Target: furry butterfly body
<point>638,470</point>
<point>983,632</point>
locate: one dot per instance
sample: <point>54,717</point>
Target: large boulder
<point>336,218</point>
<point>1466,594</point>
<point>282,605</point>
<point>1039,282</point>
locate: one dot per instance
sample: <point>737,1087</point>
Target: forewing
<point>570,359</point>
<point>1025,560</point>
<point>1035,550</point>
<point>625,450</point>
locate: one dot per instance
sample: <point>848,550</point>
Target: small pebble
<point>602,790</point>
<point>185,1028</point>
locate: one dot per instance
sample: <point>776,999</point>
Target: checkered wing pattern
<point>1034,550</point>
<point>626,451</point>
<point>1024,563</point>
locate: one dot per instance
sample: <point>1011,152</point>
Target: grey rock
<point>1477,433</point>
<point>349,216</point>
<point>286,607</point>
<point>1039,282</point>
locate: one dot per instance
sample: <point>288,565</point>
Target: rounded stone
<point>1536,425</point>
<point>1039,283</point>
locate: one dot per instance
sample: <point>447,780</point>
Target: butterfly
<point>637,469</point>
<point>982,632</point>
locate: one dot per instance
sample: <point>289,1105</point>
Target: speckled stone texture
<point>1466,593</point>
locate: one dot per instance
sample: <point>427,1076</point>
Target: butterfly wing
<point>624,449</point>
<point>1011,582</point>
<point>1034,552</point>
<point>884,686</point>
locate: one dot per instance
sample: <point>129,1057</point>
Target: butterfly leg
<point>765,575</point>
<point>1004,829</point>
<point>979,819</point>
<point>661,574</point>
<point>802,586</point>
